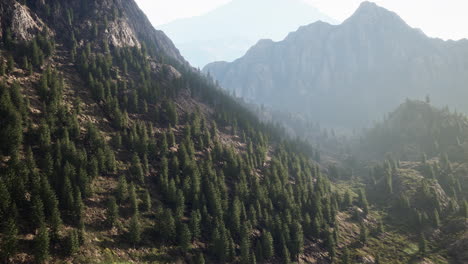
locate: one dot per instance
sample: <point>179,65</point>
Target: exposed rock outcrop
<point>119,34</point>
<point>144,30</point>
<point>23,24</point>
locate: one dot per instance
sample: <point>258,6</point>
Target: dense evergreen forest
<point>124,153</point>
<point>191,171</point>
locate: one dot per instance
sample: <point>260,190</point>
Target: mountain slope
<point>113,149</point>
<point>351,73</point>
<point>227,32</point>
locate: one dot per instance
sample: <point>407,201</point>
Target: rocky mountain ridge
<point>129,28</point>
<point>349,74</point>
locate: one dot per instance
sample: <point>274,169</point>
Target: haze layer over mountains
<point>352,73</point>
<point>227,32</point>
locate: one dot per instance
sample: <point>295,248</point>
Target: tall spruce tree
<point>135,230</point>
<point>9,242</point>
<point>41,245</point>
<point>112,212</point>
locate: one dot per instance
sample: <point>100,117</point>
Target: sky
<point>446,19</point>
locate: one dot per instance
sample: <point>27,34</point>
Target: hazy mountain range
<point>227,32</point>
<point>113,149</point>
<point>352,73</point>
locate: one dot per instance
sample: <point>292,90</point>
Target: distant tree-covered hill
<point>416,130</point>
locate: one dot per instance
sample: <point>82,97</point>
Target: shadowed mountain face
<point>229,31</point>
<point>351,73</point>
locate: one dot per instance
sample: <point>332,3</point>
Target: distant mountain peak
<point>366,8</point>
<point>221,35</point>
<point>370,12</point>
<point>373,57</point>
<point>368,5</point>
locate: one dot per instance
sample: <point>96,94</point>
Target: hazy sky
<point>447,19</point>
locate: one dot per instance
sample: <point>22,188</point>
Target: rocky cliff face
<point>145,31</point>
<point>23,24</point>
<point>119,34</point>
<point>128,28</point>
<point>351,73</point>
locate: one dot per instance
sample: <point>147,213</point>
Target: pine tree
<point>136,169</point>
<point>171,140</point>
<point>78,207</point>
<point>267,245</point>
<point>41,245</point>
<point>55,223</point>
<point>422,245</point>
<point>363,234</point>
<point>180,204</point>
<point>11,134</point>
<point>253,259</point>
<point>38,211</point>
<point>380,227</point>
<point>345,259</point>
<point>163,146</point>
<point>389,181</point>
<point>3,68</point>
<point>72,242</point>
<point>234,216</point>
<point>166,226</point>
<point>286,255</point>
<point>245,250</point>
<point>9,243</point>
<point>111,163</point>
<point>112,212</point>
<point>436,219</point>
<point>316,227</point>
<point>363,202</point>
<point>200,259</point>
<point>330,244</point>
<point>135,230</point>
<point>5,199</point>
<point>147,201</point>
<point>220,242</point>
<point>259,251</point>
<point>122,189</point>
<point>297,240</point>
<point>10,63</point>
<point>184,237</point>
<point>133,198</point>
<point>145,164</point>
<point>377,260</point>
<point>67,194</point>
<point>464,209</point>
<point>84,182</point>
<point>195,220</point>
<point>25,63</point>
<point>81,232</point>
<point>171,113</point>
<point>348,200</point>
